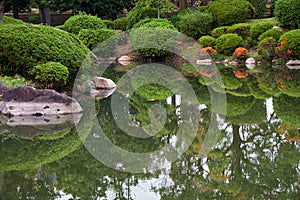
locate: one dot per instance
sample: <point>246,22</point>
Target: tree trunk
<point>16,13</point>
<point>45,16</point>
<point>2,5</point>
<point>183,4</point>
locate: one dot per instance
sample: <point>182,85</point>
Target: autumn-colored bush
<point>240,52</point>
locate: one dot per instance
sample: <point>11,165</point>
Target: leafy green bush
<point>195,24</point>
<point>206,41</point>
<point>217,32</point>
<point>287,12</point>
<point>108,23</point>
<point>157,34</point>
<point>227,43</point>
<point>91,38</point>
<point>139,13</point>
<point>10,20</point>
<point>266,48</point>
<point>260,8</point>
<point>14,82</point>
<point>120,24</point>
<point>242,29</point>
<point>274,32</point>
<point>24,46</point>
<point>51,72</point>
<point>290,42</point>
<point>83,21</point>
<point>176,17</point>
<point>154,22</point>
<point>228,12</point>
<point>256,30</point>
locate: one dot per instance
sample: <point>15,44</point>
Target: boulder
<point>104,83</point>
<point>293,64</point>
<point>26,100</point>
<point>124,58</point>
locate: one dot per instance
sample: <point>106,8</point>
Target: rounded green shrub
<point>108,23</point>
<point>139,13</point>
<point>242,29</point>
<point>120,24</point>
<point>228,12</point>
<point>154,22</point>
<point>195,24</point>
<point>91,37</point>
<point>256,30</point>
<point>217,32</point>
<point>287,12</point>
<point>227,43</point>
<point>51,72</point>
<point>206,41</point>
<point>10,20</point>
<point>260,8</point>
<point>266,48</point>
<point>24,46</point>
<point>83,21</point>
<point>274,32</point>
<point>176,17</point>
<point>291,41</point>
<point>149,32</point>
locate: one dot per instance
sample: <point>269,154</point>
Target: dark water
<point>255,156</point>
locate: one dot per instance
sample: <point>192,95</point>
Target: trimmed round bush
<point>206,41</point>
<point>176,17</point>
<point>256,30</point>
<point>108,23</point>
<point>24,46</point>
<point>266,48</point>
<point>10,20</point>
<point>91,38</point>
<point>154,22</point>
<point>83,21</point>
<point>287,12</point>
<point>51,72</point>
<point>139,13</point>
<point>290,41</point>
<point>149,32</point>
<point>228,12</point>
<point>260,8</point>
<point>242,29</point>
<point>195,24</point>
<point>120,24</point>
<point>227,43</point>
<point>274,32</point>
<point>217,32</point>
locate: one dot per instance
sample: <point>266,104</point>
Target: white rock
<point>204,62</point>
<point>124,58</point>
<point>250,65</point>
<point>250,61</point>
<point>104,83</point>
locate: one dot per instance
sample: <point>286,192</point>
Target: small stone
<point>104,83</point>
<point>124,58</point>
<point>250,61</point>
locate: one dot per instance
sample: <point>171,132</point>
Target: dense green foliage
<point>206,41</point>
<point>260,8</point>
<point>195,24</point>
<point>274,32</point>
<point>217,32</point>
<point>83,21</point>
<point>92,37</point>
<point>51,72</point>
<point>108,23</point>
<point>242,29</point>
<point>175,18</point>
<point>24,46</point>
<point>13,82</point>
<point>266,48</point>
<point>120,24</point>
<point>291,41</point>
<point>227,43</point>
<point>228,12</point>
<point>256,30</point>
<point>139,13</point>
<point>154,22</point>
<point>10,20</point>
<point>287,12</point>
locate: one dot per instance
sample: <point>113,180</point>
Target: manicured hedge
<point>24,46</point>
<point>287,12</point>
<point>242,29</point>
<point>120,24</point>
<point>256,30</point>
<point>227,43</point>
<point>206,41</point>
<point>290,42</point>
<point>217,32</point>
<point>266,48</point>
<point>274,32</point>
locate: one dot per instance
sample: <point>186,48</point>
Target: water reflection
<point>256,157</point>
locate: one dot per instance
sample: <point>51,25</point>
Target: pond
<point>251,152</point>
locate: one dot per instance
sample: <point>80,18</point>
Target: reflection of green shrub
<point>51,72</point>
<point>206,41</point>
<point>229,80</point>
<point>255,90</point>
<point>291,87</point>
<point>82,21</point>
<point>195,24</point>
<point>91,37</point>
<point>267,84</point>
<point>24,46</point>
<point>227,43</point>
<point>241,29</point>
<point>266,48</point>
<point>287,12</point>
<point>288,110</point>
<point>291,41</point>
<point>217,32</point>
<point>228,12</point>
<point>120,24</point>
<point>274,32</point>
<point>256,30</point>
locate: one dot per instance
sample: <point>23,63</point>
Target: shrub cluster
<point>227,43</point>
<point>287,12</point>
<point>24,46</point>
<point>266,48</point>
<point>260,8</point>
<point>10,20</point>
<point>83,21</point>
<point>228,12</point>
<point>207,41</point>
<point>194,24</point>
<point>217,32</point>
<point>274,32</point>
<point>120,24</point>
<point>290,44</point>
<point>256,30</point>
<point>242,29</point>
